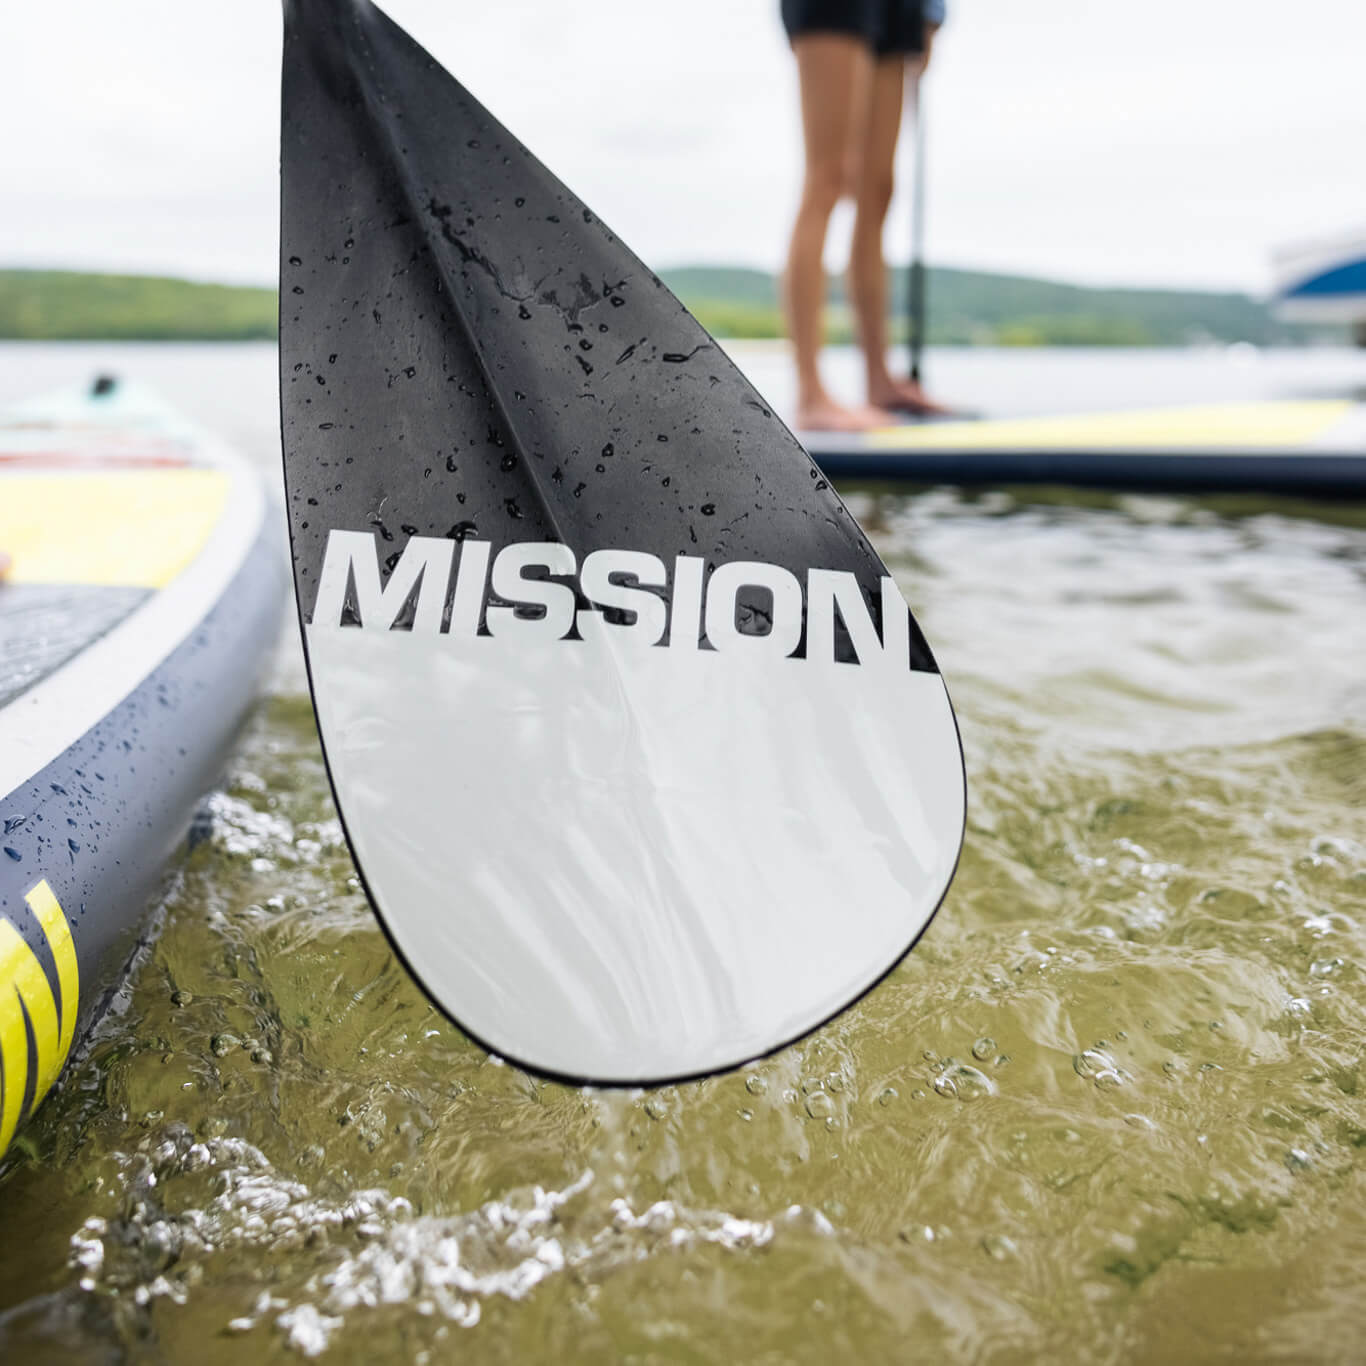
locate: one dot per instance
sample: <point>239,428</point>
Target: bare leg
<point>867,270</point>
<point>833,70</point>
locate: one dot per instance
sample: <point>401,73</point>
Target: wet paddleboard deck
<point>1305,447</point>
<point>141,603</point>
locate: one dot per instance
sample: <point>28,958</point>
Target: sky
<point>1176,142</point>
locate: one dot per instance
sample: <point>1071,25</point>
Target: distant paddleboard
<point>1312,448</point>
<point>141,604</point>
<point>644,762</point>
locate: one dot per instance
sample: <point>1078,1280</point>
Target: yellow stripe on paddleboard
<point>131,528</point>
<point>29,1010</point>
<point>1277,425</point>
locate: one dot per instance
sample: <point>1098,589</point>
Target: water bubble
<point>1096,1065</point>
<point>961,1082</point>
<point>223,1044</point>
<point>181,997</point>
<point>887,1096</point>
<point>755,1084</point>
<point>819,1105</point>
<point>983,1049</point>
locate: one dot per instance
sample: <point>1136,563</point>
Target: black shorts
<point>887,26</point>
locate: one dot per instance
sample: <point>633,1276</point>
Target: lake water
<point>1112,1108</point>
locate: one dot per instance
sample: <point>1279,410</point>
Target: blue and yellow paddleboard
<point>1306,447</point>
<point>140,604</point>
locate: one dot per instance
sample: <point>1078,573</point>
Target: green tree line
<point>64,305</point>
<point>965,308</point>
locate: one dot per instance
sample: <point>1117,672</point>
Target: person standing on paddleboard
<point>852,59</point>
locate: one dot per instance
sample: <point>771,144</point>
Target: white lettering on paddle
<point>634,598</point>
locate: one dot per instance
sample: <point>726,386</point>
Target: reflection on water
<point>1111,1109</point>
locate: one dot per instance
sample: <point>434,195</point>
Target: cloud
<point>1168,143</point>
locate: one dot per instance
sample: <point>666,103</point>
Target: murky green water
<point>1112,1109</point>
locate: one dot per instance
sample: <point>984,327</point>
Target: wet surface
<point>1110,1110</point>
<point>42,626</point>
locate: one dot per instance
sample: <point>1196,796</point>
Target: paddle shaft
<point>916,291</point>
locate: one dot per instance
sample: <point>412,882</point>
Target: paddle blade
<point>645,765</point>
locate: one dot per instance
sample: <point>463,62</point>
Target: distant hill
<point>965,307</point>
<point>65,305</point>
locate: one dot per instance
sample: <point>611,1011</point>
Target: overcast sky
<point>1170,142</point>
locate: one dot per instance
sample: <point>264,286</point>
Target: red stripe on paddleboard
<point>89,460</point>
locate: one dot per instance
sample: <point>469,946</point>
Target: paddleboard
<point>644,762</point>
<point>140,606</point>
<point>1313,448</point>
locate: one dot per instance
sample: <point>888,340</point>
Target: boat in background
<point>1324,282</point>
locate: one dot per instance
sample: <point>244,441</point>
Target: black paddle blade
<point>645,765</point>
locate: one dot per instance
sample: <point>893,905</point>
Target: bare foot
<point>907,396</point>
<point>825,415</point>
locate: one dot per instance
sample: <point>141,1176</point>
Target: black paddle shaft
<point>916,303</point>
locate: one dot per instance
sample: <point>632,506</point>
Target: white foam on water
<point>373,1250</point>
